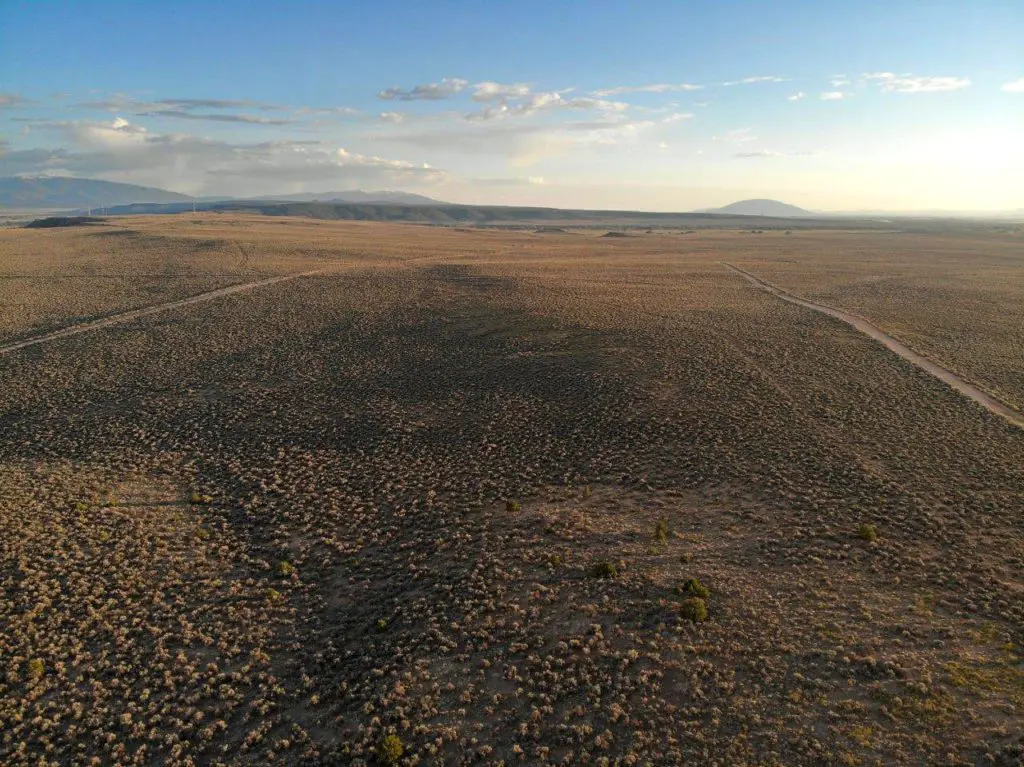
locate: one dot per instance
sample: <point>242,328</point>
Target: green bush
<point>695,588</point>
<point>382,625</point>
<point>390,750</point>
<point>284,568</point>
<point>512,506</point>
<point>868,532</point>
<point>694,609</point>
<point>661,531</point>
<point>604,570</point>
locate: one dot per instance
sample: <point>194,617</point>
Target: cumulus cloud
<point>449,86</point>
<point>1017,86</point>
<point>758,79</point>
<point>796,96</point>
<point>490,91</point>
<point>536,102</point>
<point>833,96</point>
<point>122,151</point>
<point>653,88</point>
<point>908,83</point>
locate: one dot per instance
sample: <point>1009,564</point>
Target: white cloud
<point>519,142</point>
<point>449,86</point>
<point>759,79</point>
<point>219,104</point>
<point>393,117</point>
<point>833,96</point>
<point>796,96</point>
<point>654,88</point>
<point>1017,86</point>
<point>120,102</point>
<point>119,134</point>
<point>511,181</point>
<point>184,109</point>
<point>908,83</point>
<point>490,91</point>
<point>537,102</point>
<point>343,111</point>
<point>839,82</point>
<point>121,151</point>
<point>184,114</point>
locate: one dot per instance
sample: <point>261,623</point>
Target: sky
<point>656,105</point>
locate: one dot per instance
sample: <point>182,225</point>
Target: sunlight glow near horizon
<point>660,107</point>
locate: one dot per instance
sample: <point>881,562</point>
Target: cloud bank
<point>449,86</point>
<point>122,151</point>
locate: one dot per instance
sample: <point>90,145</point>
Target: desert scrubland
<point>486,497</point>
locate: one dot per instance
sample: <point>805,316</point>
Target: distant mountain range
<point>63,192</point>
<point>382,197</point>
<point>442,214</point>
<point>82,195</point>
<point>772,208</point>
<point>85,193</point>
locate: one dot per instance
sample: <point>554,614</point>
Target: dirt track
<point>868,329</point>
<point>135,314</point>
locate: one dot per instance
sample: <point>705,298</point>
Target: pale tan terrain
<point>956,299</point>
<point>450,493</point>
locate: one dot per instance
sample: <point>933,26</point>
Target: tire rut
<point>945,375</point>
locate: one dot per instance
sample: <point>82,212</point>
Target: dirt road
<point>946,376</point>
<point>134,314</point>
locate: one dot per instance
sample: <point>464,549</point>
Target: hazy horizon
<point>877,108</point>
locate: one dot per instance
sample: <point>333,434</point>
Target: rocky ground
<point>502,498</point>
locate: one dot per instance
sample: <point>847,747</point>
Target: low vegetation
<point>481,497</point>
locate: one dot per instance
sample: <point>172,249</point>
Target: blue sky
<point>654,105</point>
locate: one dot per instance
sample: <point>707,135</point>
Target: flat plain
<point>492,497</point>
